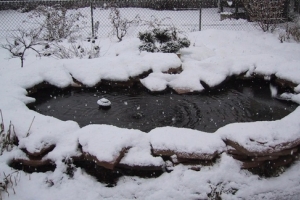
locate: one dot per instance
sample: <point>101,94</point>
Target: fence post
<point>200,14</point>
<point>236,9</point>
<point>92,18</point>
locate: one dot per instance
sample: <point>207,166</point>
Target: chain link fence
<point>225,15</point>
<point>95,20</point>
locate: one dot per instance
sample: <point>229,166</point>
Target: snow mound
<point>108,144</point>
<point>185,143</point>
<point>264,137</point>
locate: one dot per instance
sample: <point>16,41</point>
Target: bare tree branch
<point>21,41</point>
<point>267,13</point>
<point>121,25</point>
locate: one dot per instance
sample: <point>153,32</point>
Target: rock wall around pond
<point>108,152</point>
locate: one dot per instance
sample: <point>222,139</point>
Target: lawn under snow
<point>212,56</point>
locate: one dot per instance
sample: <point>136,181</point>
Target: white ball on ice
<point>104,102</point>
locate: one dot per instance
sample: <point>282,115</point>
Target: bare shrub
<point>267,13</point>
<point>121,25</point>
<point>56,22</point>
<point>7,139</point>
<point>155,22</point>
<point>9,182</point>
<point>22,41</point>
<point>70,167</point>
<point>96,27</point>
<point>292,31</point>
<point>59,51</point>
<point>219,189</point>
<point>282,37</point>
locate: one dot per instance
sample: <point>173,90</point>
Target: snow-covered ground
<point>212,56</point>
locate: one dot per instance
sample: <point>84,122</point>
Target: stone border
<point>274,157</point>
<point>268,160</point>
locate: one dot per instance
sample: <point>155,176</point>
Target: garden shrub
<point>164,40</point>
<point>75,50</point>
<point>267,13</point>
<point>7,139</point>
<point>292,31</point>
<point>149,47</point>
<point>21,41</point>
<point>56,22</point>
<point>121,25</point>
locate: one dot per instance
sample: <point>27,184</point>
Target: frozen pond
<point>235,101</point>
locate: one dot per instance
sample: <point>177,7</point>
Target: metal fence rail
<point>187,15</point>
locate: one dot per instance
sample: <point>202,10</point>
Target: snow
<point>104,102</point>
<point>213,56</point>
<point>130,64</point>
<point>156,81</point>
<point>270,136</point>
<point>185,140</point>
<point>105,142</point>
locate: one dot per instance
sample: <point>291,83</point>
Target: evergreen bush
<point>170,47</point>
<point>164,40</point>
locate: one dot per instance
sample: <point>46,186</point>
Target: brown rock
<point>182,90</point>
<point>282,161</point>
<point>174,70</point>
<point>163,152</point>
<point>76,83</point>
<point>278,150</point>
<point>252,164</point>
<point>32,163</point>
<point>234,152</point>
<point>240,157</point>
<point>288,145</point>
<point>195,162</point>
<point>197,156</point>
<point>39,154</point>
<point>195,168</point>
<point>184,155</point>
<point>108,165</point>
<point>285,83</point>
<point>265,158</point>
<point>138,167</point>
<point>279,162</point>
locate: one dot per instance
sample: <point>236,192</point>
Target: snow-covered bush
<point>184,42</point>
<point>120,25</point>
<point>148,46</point>
<point>292,31</point>
<point>164,40</point>
<point>22,41</point>
<point>56,22</point>
<point>170,47</point>
<point>147,37</point>
<point>162,35</point>
<point>75,50</point>
<point>267,13</point>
